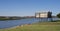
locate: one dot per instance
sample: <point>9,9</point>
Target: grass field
<point>43,26</point>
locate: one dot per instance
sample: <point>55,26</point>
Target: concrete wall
<point>44,15</point>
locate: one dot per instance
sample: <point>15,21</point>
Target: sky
<point>28,7</point>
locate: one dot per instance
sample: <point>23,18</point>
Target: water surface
<point>12,23</point>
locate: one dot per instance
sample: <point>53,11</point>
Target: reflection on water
<point>11,23</point>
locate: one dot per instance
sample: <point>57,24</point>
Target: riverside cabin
<point>44,15</point>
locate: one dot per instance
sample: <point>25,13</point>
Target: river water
<point>12,23</point>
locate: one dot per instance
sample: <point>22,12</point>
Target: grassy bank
<point>43,26</point>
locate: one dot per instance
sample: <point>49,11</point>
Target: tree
<point>58,15</point>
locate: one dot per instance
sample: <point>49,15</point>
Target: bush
<point>53,21</point>
<point>58,15</point>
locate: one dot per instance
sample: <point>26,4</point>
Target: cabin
<point>43,14</point>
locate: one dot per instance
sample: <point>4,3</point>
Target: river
<point>12,23</point>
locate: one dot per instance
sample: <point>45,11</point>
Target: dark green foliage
<point>56,21</point>
<point>53,21</point>
<point>58,15</point>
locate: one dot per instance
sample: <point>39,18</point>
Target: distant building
<point>43,14</point>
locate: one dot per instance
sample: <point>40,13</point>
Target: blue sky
<point>28,7</point>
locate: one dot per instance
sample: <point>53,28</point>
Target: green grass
<point>43,26</point>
